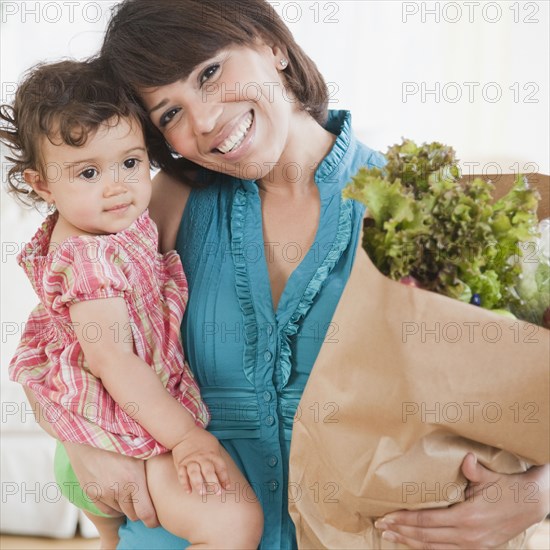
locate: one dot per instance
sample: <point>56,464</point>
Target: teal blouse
<point>251,362</point>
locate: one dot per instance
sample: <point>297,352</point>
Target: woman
<point>267,245</point>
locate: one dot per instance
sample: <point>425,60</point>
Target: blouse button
<point>269,329</point>
<point>267,396</point>
<point>267,356</point>
<point>272,461</point>
<point>270,420</point>
<point>273,485</point>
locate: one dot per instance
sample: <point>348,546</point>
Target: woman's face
<point>231,114</point>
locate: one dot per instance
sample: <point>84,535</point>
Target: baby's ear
<point>40,186</point>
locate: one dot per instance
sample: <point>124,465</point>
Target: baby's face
<point>103,186</point>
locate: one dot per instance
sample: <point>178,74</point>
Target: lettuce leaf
<point>448,234</point>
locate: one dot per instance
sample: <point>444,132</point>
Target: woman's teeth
<point>235,139</point>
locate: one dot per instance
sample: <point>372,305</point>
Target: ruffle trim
<point>244,293</point>
<point>340,124</point>
<point>242,287</point>
<point>313,288</point>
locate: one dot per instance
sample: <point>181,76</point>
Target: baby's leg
<point>233,519</point>
<point>107,528</point>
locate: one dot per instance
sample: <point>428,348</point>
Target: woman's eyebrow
<point>158,106</point>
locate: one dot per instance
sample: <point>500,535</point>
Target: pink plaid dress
<point>49,359</point>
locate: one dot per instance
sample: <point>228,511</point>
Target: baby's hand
<point>199,462</point>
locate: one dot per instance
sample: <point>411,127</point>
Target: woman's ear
<point>281,57</point>
<point>278,54</point>
<point>39,185</point>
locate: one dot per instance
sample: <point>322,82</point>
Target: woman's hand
<point>198,462</point>
<point>121,480</point>
<point>497,508</point>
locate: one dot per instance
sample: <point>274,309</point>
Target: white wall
<point>367,50</point>
<point>376,47</point>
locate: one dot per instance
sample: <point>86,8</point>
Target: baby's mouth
<point>119,207</point>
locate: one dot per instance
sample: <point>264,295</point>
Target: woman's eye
<point>131,163</point>
<point>168,116</point>
<point>89,174</point>
<point>208,73</point>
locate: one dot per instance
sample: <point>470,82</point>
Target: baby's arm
<point>128,379</point>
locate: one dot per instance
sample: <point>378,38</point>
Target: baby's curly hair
<point>67,101</point>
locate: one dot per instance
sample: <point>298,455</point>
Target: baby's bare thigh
<point>196,517</point>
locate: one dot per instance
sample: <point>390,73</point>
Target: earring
<point>284,63</point>
<point>173,152</point>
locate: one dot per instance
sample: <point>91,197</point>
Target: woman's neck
<point>307,145</point>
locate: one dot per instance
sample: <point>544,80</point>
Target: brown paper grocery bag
<point>414,381</point>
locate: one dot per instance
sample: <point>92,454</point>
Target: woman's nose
<point>204,114</point>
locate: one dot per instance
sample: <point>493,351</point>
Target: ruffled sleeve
<point>85,268</point>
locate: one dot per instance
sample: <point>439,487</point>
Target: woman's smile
<point>240,139</point>
<point>236,135</point>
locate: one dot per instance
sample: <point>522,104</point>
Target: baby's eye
<point>208,73</point>
<point>89,174</point>
<point>168,116</point>
<point>131,163</point>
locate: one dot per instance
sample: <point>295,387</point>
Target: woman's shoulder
<point>168,202</point>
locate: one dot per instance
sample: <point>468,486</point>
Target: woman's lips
<point>242,149</point>
<point>237,135</point>
<point>229,129</point>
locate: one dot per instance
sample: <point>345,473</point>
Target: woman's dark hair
<point>66,102</point>
<point>151,43</point>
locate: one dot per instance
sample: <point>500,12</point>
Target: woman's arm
<point>166,208</point>
<point>120,481</point>
<point>129,380</point>
<point>497,508</point>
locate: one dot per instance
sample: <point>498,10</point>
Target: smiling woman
<point>253,165</point>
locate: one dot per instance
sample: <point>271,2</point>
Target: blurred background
<point>471,74</point>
